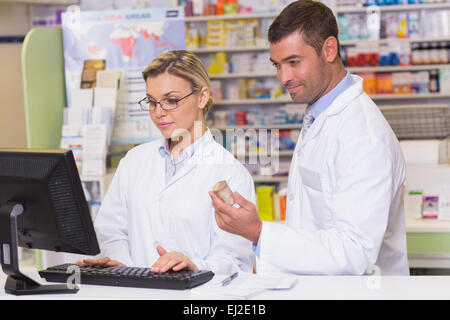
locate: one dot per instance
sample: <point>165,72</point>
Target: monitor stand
<point>18,283</point>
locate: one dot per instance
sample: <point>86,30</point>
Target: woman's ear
<point>204,95</point>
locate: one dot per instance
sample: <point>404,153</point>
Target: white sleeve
<point>363,193</point>
<point>229,252</point>
<point>111,222</point>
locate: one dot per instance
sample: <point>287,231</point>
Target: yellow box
<point>265,202</point>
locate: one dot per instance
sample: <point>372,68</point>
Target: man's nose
<point>284,75</point>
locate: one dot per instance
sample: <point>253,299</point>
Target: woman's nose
<point>159,111</point>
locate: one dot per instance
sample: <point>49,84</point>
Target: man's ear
<point>330,49</point>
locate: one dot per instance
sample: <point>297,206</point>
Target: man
<point>344,203</point>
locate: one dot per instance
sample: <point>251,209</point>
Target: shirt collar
<point>186,153</point>
<point>324,102</point>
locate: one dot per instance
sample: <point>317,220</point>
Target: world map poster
<point>128,40</point>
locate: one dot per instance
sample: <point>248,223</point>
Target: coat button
<point>290,197</point>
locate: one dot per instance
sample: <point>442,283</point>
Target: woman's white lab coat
<point>140,210</point>
<point>344,202</point>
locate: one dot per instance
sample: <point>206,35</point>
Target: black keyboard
<point>127,276</point>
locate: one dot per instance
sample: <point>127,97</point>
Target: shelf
<point>405,7</point>
<point>374,97</point>
<point>273,126</point>
<point>242,75</point>
<point>391,40</point>
<point>261,15</point>
<point>253,101</point>
<point>269,179</point>
<point>400,68</point>
<point>340,10</point>
<point>229,49</point>
<point>409,96</point>
<point>281,153</point>
<point>343,43</point>
<point>42,2</point>
<point>351,69</point>
<point>286,153</point>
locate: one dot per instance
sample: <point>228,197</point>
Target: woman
<point>157,211</point>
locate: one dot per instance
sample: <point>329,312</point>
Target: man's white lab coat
<point>344,202</point>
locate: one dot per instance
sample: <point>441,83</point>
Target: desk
<point>428,243</point>
<point>307,287</point>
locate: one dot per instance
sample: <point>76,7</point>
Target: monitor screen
<point>55,212</point>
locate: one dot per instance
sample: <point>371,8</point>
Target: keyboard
<point>127,276</point>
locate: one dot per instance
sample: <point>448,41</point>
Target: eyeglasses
<point>167,104</point>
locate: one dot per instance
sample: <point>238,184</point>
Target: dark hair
<point>314,20</point>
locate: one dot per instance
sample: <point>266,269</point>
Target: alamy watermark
<point>373,281</point>
<point>74,280</point>
<point>250,146</point>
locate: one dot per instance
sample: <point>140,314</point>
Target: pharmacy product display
<point>422,82</point>
<point>396,54</point>
<point>230,7</point>
<point>415,24</point>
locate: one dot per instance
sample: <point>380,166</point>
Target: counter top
<point>306,287</point>
<point>427,225</point>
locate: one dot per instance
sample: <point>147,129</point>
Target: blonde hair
<point>183,64</point>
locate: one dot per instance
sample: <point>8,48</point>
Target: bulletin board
<point>128,40</point>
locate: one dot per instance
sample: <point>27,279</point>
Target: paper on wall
<point>81,98</point>
<point>95,138</point>
<point>105,97</point>
<point>108,79</point>
<point>72,139</point>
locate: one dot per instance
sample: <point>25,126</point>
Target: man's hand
<point>171,260</point>
<point>107,262</point>
<point>243,221</point>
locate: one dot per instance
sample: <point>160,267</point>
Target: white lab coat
<point>140,210</point>
<point>344,202</point>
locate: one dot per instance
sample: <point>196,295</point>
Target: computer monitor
<point>42,206</point>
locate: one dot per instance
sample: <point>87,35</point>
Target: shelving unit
<point>261,46</point>
<point>410,96</point>
<point>42,2</point>
<point>233,16</point>
<point>229,49</point>
<point>343,43</point>
<point>269,179</point>
<point>418,67</point>
<point>285,100</point>
<point>274,126</point>
<point>393,40</point>
<point>404,7</point>
<point>253,101</point>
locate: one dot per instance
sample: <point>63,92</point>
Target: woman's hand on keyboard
<point>107,262</point>
<point>172,260</point>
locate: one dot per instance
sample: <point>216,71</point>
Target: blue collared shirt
<point>317,108</point>
<point>324,102</point>
<point>173,167</point>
